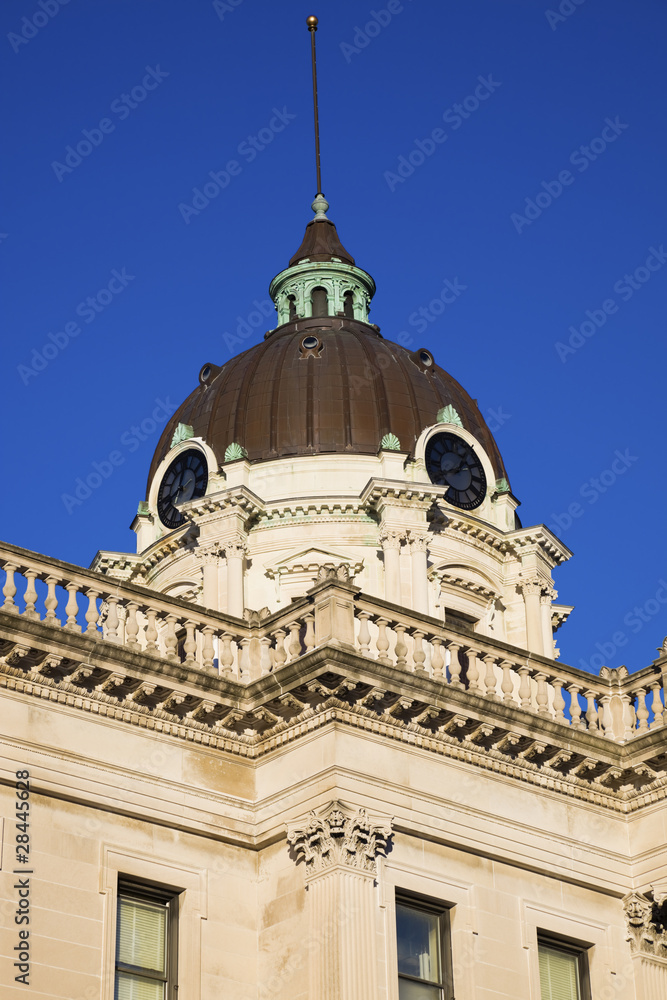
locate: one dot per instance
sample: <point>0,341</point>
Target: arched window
<point>318,299</point>
<point>348,304</point>
<point>292,306</point>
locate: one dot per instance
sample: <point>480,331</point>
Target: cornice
<point>332,685</point>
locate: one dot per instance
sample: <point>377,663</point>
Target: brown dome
<point>282,398</point>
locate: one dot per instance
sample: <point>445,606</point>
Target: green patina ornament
<point>143,509</point>
<point>390,443</point>
<point>182,433</point>
<point>235,451</point>
<point>448,415</point>
<point>502,486</point>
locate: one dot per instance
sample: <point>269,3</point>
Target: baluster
<point>525,689</point>
<point>131,626</point>
<point>591,712</point>
<point>437,659</point>
<point>309,638</point>
<point>51,601</point>
<point>628,717</point>
<point>605,717</point>
<point>294,644</point>
<point>112,620</point>
<point>382,641</point>
<point>507,685</point>
<point>265,653</point>
<point>658,713</point>
<point>542,695</point>
<point>72,608</point>
<point>208,649</point>
<point>170,640</point>
<point>244,660</point>
<point>92,614</point>
<point>226,655</point>
<point>9,589</point>
<point>474,674</point>
<point>559,703</point>
<point>401,649</point>
<point>454,664</point>
<point>364,633</point>
<point>280,654</point>
<point>575,707</point>
<point>190,644</point>
<point>30,596</point>
<point>642,711</point>
<point>418,654</point>
<point>151,631</point>
<point>490,676</point>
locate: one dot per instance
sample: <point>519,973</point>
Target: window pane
<point>408,990</point>
<point>142,930</point>
<point>559,974</point>
<point>418,943</point>
<point>134,988</point>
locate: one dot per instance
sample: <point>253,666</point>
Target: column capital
<point>529,584</point>
<point>209,553</point>
<point>391,538</point>
<point>418,543</point>
<point>645,919</point>
<point>235,548</point>
<point>338,837</point>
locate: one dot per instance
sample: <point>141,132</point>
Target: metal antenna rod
<point>312,28</point>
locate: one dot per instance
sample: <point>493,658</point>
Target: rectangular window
<point>146,942</point>
<point>563,970</point>
<point>424,950</point>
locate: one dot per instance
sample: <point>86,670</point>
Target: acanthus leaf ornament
<point>338,837</point>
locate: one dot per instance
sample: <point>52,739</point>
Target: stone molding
<point>646,919</point>
<point>339,837</point>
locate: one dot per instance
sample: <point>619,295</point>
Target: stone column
<point>532,589</point>
<point>341,850</point>
<point>391,548</point>
<point>546,597</point>
<point>209,555</point>
<point>235,550</point>
<point>418,549</point>
<point>646,920</point>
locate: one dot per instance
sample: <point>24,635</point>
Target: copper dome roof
<point>279,400</point>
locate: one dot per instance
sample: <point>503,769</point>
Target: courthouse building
<point>313,741</point>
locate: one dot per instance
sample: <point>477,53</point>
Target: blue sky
<point>545,199</point>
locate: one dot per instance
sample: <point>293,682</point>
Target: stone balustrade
<point>615,705</point>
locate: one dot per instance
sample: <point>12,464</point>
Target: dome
<point>322,384</point>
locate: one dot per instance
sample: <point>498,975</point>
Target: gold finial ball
<point>312,23</point>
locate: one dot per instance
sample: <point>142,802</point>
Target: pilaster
<point>341,850</point>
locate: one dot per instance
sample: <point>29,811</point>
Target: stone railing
<point>77,600</point>
<point>615,705</point>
